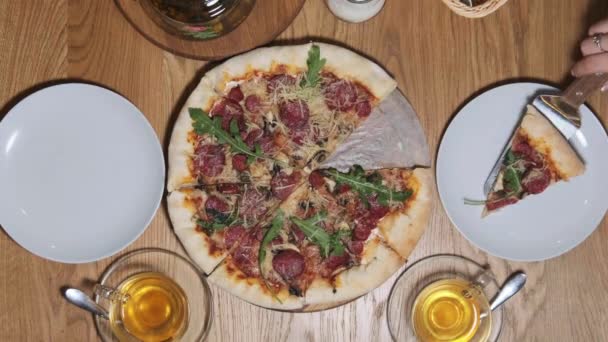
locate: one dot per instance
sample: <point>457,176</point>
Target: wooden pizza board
<point>266,21</point>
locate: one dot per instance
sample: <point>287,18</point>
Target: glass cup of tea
<point>153,295</point>
<point>444,298</point>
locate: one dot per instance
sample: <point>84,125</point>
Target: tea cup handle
<point>110,293</point>
<point>483,279</point>
<point>477,285</point>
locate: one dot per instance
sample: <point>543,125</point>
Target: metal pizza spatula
<point>561,110</point>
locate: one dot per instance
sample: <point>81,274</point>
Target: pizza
<point>537,156</point>
<point>250,200</point>
<point>335,238</point>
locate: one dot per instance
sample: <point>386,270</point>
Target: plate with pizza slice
<point>548,196</point>
<point>253,197</point>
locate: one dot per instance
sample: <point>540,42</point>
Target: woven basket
<point>478,11</point>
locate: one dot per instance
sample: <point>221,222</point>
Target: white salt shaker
<point>355,11</point>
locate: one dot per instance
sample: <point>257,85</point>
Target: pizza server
<point>561,110</point>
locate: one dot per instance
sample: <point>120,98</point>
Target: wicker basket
<point>478,11</point>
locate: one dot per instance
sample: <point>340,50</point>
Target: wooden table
<point>439,60</point>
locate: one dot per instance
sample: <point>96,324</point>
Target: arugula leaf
<point>271,233</point>
<point>220,221</point>
<point>510,158</point>
<point>511,180</point>
<point>210,226</point>
<point>328,244</point>
<point>468,201</point>
<point>314,63</point>
<point>355,178</point>
<point>337,248</point>
<point>203,124</point>
<point>234,128</point>
<point>315,233</point>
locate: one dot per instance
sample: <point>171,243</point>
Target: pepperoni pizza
<point>249,200</point>
<point>538,156</point>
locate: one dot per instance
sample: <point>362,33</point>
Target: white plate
<point>541,226</point>
<point>81,173</point>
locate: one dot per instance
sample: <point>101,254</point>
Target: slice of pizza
<point>210,220</point>
<point>331,241</point>
<point>538,156</point>
<point>279,107</point>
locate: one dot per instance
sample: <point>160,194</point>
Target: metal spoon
<point>515,282</point>
<point>81,300</point>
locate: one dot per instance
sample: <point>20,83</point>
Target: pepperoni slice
<point>245,255</point>
<point>229,110</point>
<point>521,147</point>
<point>253,103</point>
<point>362,231</point>
<point>239,162</point>
<point>209,160</point>
<point>277,81</point>
<point>232,235</point>
<point>363,109</point>
<point>316,179</point>
<point>257,136</point>
<point>267,143</point>
<point>236,94</point>
<point>283,184</point>
<point>288,263</point>
<point>228,188</point>
<point>253,136</point>
<point>214,206</point>
<point>356,247</point>
<point>536,181</point>
<point>365,222</point>
<point>495,202</point>
<point>332,262</point>
<point>376,210</point>
<point>340,95</point>
<point>294,114</point>
<point>342,188</point>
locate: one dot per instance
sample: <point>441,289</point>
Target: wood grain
<point>439,59</point>
<point>267,19</point>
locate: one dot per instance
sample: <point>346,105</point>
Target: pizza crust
<point>342,62</point>
<point>181,148</point>
<point>545,138</point>
<point>196,244</point>
<point>402,230</point>
<point>378,263</point>
<point>252,290</point>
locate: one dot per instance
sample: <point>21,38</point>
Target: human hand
<point>595,52</point>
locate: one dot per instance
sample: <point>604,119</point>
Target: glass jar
<point>355,11</point>
<point>198,19</point>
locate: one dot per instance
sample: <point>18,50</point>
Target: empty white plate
<point>540,226</point>
<point>81,173</point>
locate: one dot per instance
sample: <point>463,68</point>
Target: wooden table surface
<point>439,60</point>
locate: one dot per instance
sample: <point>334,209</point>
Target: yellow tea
<point>153,308</point>
<point>451,310</point>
